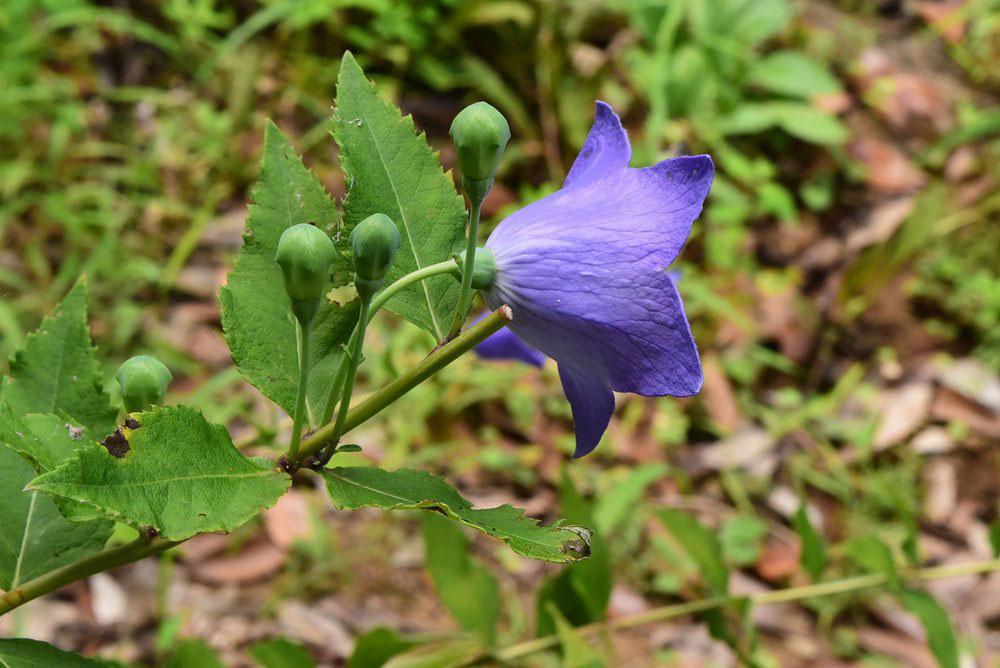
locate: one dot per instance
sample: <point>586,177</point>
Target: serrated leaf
<point>701,545</point>
<point>25,653</point>
<point>178,474</point>
<point>392,170</point>
<point>45,441</point>
<point>356,487</point>
<point>34,537</point>
<point>57,370</point>
<point>464,584</point>
<point>934,618</point>
<point>256,313</point>
<point>281,653</point>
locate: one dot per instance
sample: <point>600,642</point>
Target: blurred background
<point>843,285</point>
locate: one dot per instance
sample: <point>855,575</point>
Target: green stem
<point>446,267</point>
<point>303,388</point>
<point>353,360</point>
<point>762,598</point>
<point>465,294</point>
<point>102,561</point>
<point>427,367</point>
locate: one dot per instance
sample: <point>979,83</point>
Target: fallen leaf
<point>888,170</point>
<point>903,411</point>
<point>257,560</point>
<point>288,520</point>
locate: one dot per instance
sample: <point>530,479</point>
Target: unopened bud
<point>480,133</point>
<point>304,255</point>
<point>144,381</point>
<point>375,241</point>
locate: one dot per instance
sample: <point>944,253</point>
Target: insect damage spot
<point>132,423</point>
<point>76,433</point>
<point>579,548</point>
<point>117,444</point>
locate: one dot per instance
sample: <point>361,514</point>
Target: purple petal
<point>506,345</point>
<point>592,403</point>
<point>629,331</point>
<point>584,270</point>
<point>606,149</point>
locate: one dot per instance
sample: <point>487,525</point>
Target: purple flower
<point>506,345</point>
<point>584,270</point>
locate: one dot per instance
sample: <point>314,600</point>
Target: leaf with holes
<point>356,487</point>
<point>392,170</point>
<point>34,537</point>
<point>171,470</point>
<point>57,370</point>
<point>256,313</point>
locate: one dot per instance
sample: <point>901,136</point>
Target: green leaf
<point>741,537</point>
<point>811,124</point>
<point>256,313</point>
<point>351,488</point>
<point>576,652</point>
<point>392,170</point>
<point>813,557</point>
<point>442,654</point>
<point>874,556</point>
<point>701,544</point>
<point>57,370</point>
<point>177,473</point>
<point>376,647</point>
<point>794,74</point>
<point>34,537</point>
<point>797,119</point>
<point>940,634</point>
<point>620,502</point>
<point>25,653</point>
<point>464,585</point>
<point>581,592</point>
<point>45,441</point>
<point>281,653</point>
<point>194,653</point>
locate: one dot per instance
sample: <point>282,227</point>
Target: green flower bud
<point>375,241</point>
<point>484,271</point>
<point>144,381</point>
<point>304,255</point>
<point>480,133</point>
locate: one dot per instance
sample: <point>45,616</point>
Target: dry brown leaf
<point>949,405</point>
<point>258,560</point>
<point>888,170</point>
<point>288,520</point>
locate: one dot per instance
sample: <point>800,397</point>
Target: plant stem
<point>144,547</point>
<point>353,360</point>
<point>763,598</point>
<point>465,294</point>
<point>441,357</point>
<point>303,388</point>
<point>446,267</point>
<point>102,561</point>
